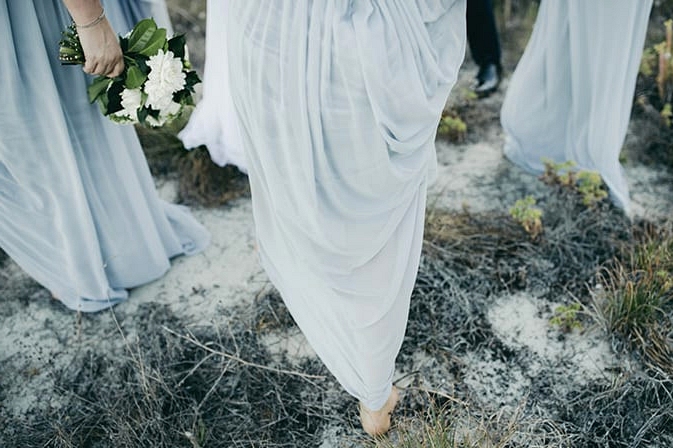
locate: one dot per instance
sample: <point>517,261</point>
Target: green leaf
<point>102,104</point>
<point>177,45</point>
<point>124,44</point>
<point>155,43</point>
<point>134,77</point>
<point>141,35</point>
<point>142,115</point>
<point>98,87</point>
<point>114,96</point>
<point>191,79</point>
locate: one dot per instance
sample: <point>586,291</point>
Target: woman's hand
<point>102,52</point>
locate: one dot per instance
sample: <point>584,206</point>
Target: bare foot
<point>376,423</point>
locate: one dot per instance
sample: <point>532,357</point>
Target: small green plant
<point>565,317</point>
<point>657,63</point>
<point>530,217</point>
<point>469,95</point>
<point>452,127</point>
<point>558,173</point>
<point>588,184</point>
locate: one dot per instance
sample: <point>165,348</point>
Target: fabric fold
<point>338,103</point>
<point>571,94</point>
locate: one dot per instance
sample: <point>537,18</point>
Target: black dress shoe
<point>488,80</point>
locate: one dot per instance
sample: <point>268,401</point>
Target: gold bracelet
<point>94,22</point>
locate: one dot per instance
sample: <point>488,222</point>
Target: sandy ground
<point>39,337</point>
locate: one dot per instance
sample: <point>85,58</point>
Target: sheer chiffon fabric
<point>338,103</point>
<point>133,11</point>
<point>78,207</point>
<point>571,94</point>
<point>213,122</point>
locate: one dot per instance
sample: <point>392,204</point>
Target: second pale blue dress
<point>78,207</point>
<point>570,97</point>
<point>338,103</point>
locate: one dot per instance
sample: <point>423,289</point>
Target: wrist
<point>92,22</point>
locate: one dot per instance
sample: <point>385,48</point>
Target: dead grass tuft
<point>636,301</point>
<point>215,387</point>
<point>200,181</point>
<point>205,183</point>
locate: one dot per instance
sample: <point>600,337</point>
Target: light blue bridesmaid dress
<point>132,11</point>
<point>570,96</point>
<point>78,207</point>
<point>338,103</point>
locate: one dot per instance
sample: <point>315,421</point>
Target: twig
<point>436,392</point>
<point>240,360</point>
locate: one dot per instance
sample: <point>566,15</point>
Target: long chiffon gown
<point>134,11</point>
<point>571,94</point>
<point>213,122</point>
<point>78,207</point>
<point>338,103</point>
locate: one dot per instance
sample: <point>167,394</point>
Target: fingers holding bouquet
<point>99,46</point>
<point>102,52</point>
<point>143,77</point>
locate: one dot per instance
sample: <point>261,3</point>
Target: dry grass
<point>636,301</point>
<point>220,387</point>
<point>214,387</point>
<point>200,181</point>
<point>447,422</point>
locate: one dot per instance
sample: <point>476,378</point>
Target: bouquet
<point>157,81</point>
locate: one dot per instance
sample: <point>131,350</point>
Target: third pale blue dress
<point>570,96</point>
<point>78,207</point>
<point>338,103</point>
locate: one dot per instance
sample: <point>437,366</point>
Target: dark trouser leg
<point>482,35</point>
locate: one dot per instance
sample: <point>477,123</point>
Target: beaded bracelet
<point>94,22</point>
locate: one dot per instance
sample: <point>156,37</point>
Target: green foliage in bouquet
<point>157,81</point>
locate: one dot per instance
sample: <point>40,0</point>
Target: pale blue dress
<point>78,207</point>
<point>571,94</point>
<point>132,11</point>
<point>338,103</point>
<point>213,122</point>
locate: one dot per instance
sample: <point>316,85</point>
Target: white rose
<point>171,110</point>
<point>132,99</point>
<point>131,102</point>
<point>154,122</point>
<point>165,78</point>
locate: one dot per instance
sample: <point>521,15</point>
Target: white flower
<point>131,102</point>
<point>132,99</point>
<point>165,78</point>
<point>171,110</point>
<point>154,122</point>
<point>165,115</point>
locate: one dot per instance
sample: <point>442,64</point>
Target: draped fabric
<point>570,97</point>
<point>338,103</point>
<point>78,207</point>
<point>133,11</point>
<point>213,122</point>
